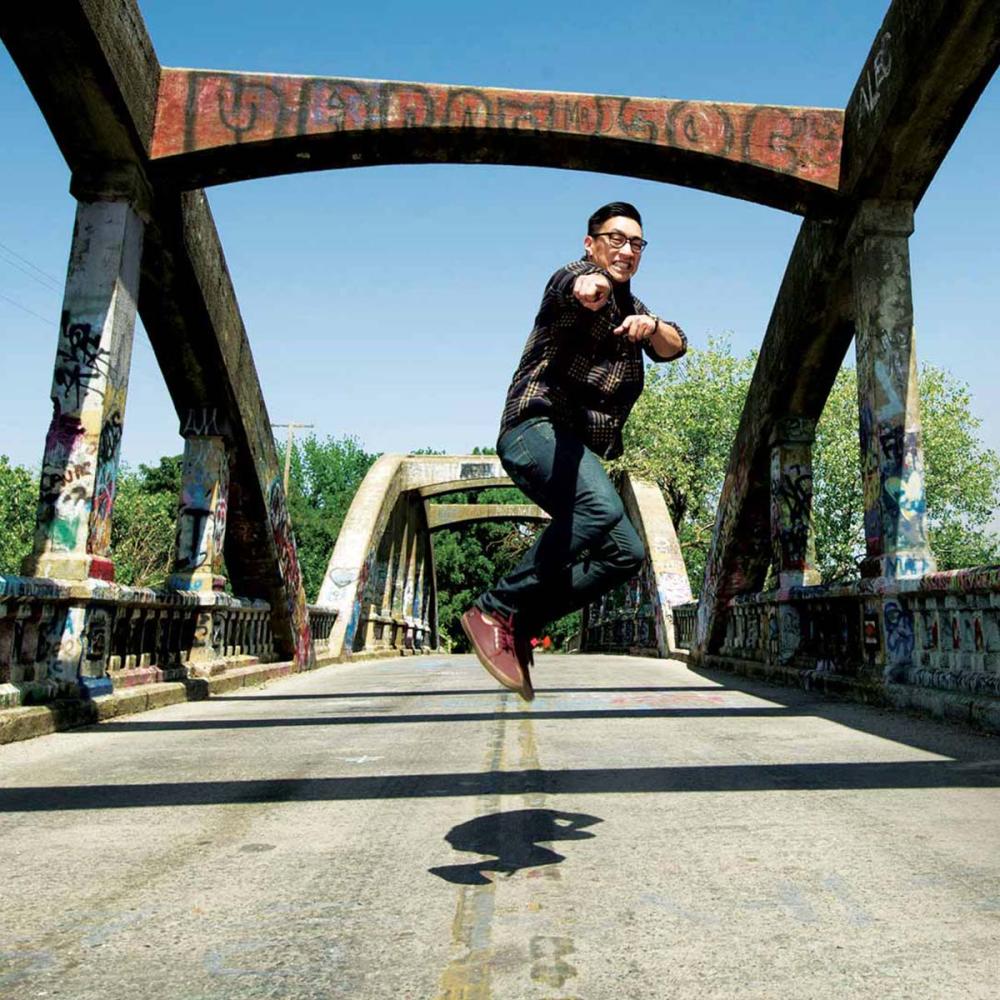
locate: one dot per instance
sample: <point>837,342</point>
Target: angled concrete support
<point>89,386</point>
<point>892,463</point>
<point>792,539</point>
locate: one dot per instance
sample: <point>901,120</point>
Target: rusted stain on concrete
<point>200,111</point>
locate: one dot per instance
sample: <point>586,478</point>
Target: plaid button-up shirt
<point>575,369</point>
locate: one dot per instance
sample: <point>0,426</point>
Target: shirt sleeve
<point>653,356</point>
<point>642,310</point>
<point>561,283</point>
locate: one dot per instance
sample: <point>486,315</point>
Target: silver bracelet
<point>656,324</point>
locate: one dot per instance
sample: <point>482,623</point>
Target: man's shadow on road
<point>516,838</point>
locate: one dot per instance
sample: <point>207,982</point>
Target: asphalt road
<point>406,829</point>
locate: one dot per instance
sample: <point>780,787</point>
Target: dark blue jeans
<point>588,547</point>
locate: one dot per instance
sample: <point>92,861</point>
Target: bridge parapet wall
<point>936,633</point>
<point>61,639</point>
<point>637,617</point>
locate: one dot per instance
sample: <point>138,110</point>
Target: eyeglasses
<point>618,240</point>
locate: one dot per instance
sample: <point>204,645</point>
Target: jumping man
<point>579,376</point>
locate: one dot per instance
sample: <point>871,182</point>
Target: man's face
<point>620,262</point>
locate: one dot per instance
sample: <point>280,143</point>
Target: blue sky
<point>392,303</point>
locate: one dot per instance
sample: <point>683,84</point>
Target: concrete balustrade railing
<point>622,621</point>
<point>939,632</point>
<point>685,622</point>
<point>62,639</point>
<point>321,622</point>
<point>636,617</point>
<point>388,632</point>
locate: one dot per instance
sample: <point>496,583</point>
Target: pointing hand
<point>592,291</point>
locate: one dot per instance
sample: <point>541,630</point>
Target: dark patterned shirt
<point>575,369</point>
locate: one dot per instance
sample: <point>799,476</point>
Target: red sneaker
<point>494,642</point>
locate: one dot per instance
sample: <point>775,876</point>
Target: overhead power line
<point>34,267</point>
<point>30,312</point>
<point>45,282</point>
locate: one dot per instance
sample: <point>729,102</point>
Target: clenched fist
<point>592,291</point>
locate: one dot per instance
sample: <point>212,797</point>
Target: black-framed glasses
<point>618,240</point>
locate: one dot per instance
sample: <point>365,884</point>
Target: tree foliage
<point>18,499</point>
<point>681,432</point>
<point>679,436</point>
<point>143,529</point>
<point>325,475</point>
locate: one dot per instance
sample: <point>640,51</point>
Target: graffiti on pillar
<point>201,521</point>
<point>347,586</point>
<point>791,496</point>
<point>219,527</point>
<point>80,361</point>
<point>288,563</point>
<point>201,422</point>
<point>105,485</point>
<point>784,633</point>
<point>904,503</point>
<point>98,632</point>
<point>65,643</point>
<point>199,110</point>
<point>64,494</point>
<point>870,485</point>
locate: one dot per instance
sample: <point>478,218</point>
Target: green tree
<point>469,559</point>
<point>325,475</point>
<point>18,500</point>
<point>679,436</point>
<point>682,428</point>
<point>962,478</point>
<point>144,525</point>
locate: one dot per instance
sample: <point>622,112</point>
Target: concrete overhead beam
<point>927,67</point>
<point>451,515</point>
<point>213,127</point>
<point>465,486</point>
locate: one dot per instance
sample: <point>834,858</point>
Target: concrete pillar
<point>792,539</point>
<point>80,466</point>
<point>201,515</point>
<point>402,575</point>
<point>892,463</point>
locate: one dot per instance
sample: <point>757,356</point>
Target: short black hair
<point>610,211</point>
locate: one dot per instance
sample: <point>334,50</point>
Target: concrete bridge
<point>659,822</point>
<point>142,139</point>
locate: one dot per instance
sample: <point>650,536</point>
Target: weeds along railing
<point>60,639</point>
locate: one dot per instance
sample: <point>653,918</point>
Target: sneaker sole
<point>490,669</point>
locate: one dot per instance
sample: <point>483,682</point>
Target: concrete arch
<point>454,515</point>
<point>213,127</point>
<point>382,598</point>
<point>380,578</point>
<point>640,614</point>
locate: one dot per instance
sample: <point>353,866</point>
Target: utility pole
<point>288,448</point>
